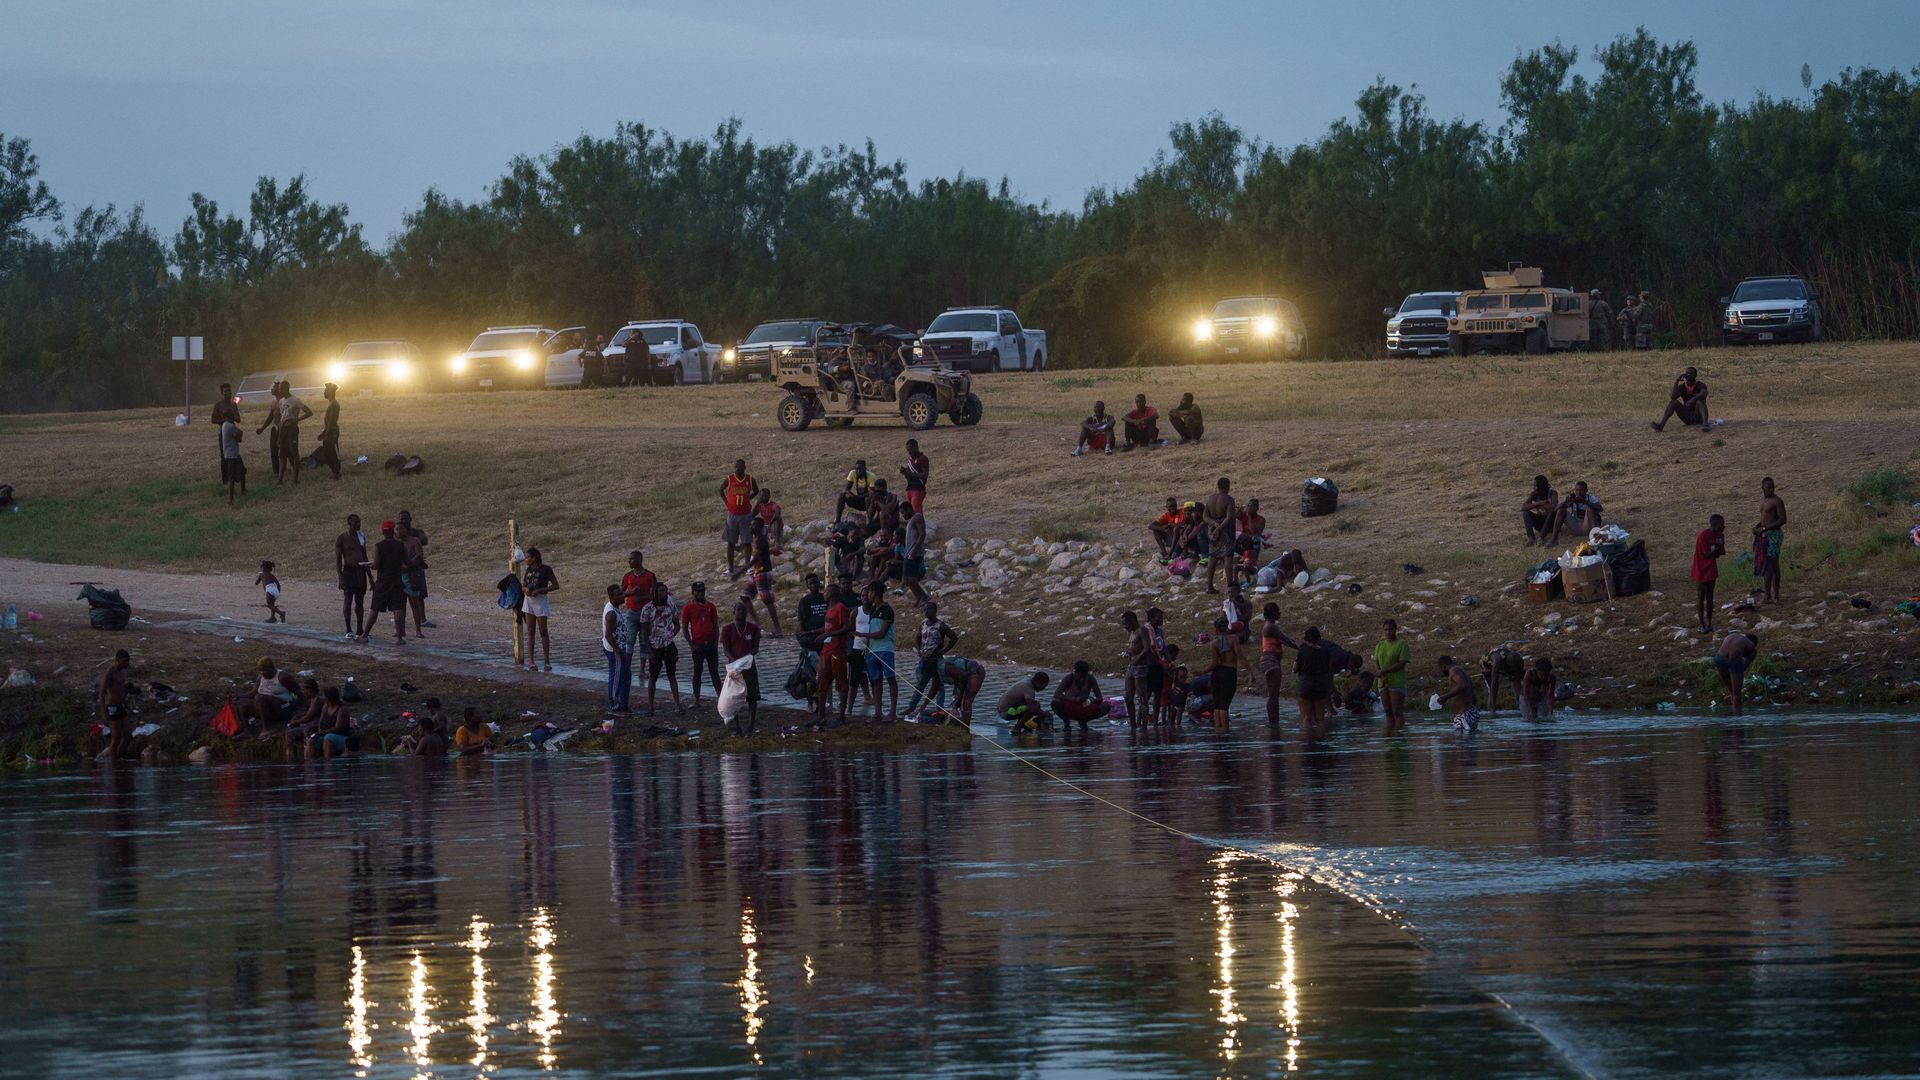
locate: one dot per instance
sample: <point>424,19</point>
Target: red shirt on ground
<point>837,630</point>
<point>1706,564</point>
<point>702,621</point>
<point>638,585</point>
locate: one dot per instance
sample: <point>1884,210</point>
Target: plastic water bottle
<point>13,618</point>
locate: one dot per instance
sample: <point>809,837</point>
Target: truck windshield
<point>1788,289</point>
<point>499,340</point>
<point>373,350</point>
<point>779,331</point>
<point>664,334</point>
<point>966,322</point>
<point>1428,301</point>
<point>1245,307</point>
<point>1497,301</point>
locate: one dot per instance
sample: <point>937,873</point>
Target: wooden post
<point>512,568</point>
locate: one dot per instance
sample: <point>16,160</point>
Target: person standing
<point>1224,670</point>
<point>273,421</point>
<point>1459,696</point>
<point>761,584</point>
<point>931,646</point>
<point>1391,655</point>
<point>876,629</point>
<point>233,470</point>
<point>537,582</point>
<point>613,642</point>
<point>1769,539</point>
<point>915,470</point>
<point>1708,546</point>
<point>1643,322</point>
<point>913,556</point>
<point>700,622</point>
<point>738,489</point>
<point>661,622</point>
<point>388,567</point>
<point>224,410</point>
<point>835,631</point>
<point>110,701</point>
<point>1599,322</point>
<point>1313,670</point>
<point>292,411</point>
<point>415,582</point>
<point>636,588</point>
<point>768,511</point>
<point>1217,513</point>
<point>329,452</point>
<point>1273,671</point>
<point>350,569</point>
<point>741,637</point>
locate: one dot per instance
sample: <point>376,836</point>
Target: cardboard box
<point>1585,584</point>
<point>1544,592</point>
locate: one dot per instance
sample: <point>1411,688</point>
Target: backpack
<point>510,593</point>
<point>227,721</point>
<point>802,683</point>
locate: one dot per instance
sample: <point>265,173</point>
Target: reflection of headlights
<point>729,356</point>
<point>1266,326</point>
<point>459,365</point>
<point>523,361</point>
<point>400,371</point>
<point>337,372</point>
<point>1203,330</point>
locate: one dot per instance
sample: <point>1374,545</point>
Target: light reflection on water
<point>1658,899</point>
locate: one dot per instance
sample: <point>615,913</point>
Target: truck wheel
<point>679,375</point>
<point>919,411</point>
<point>795,413</point>
<point>1457,344</point>
<point>1537,341</point>
<point>967,411</point>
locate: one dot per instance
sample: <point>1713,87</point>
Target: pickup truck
<point>675,353</point>
<point>754,354</point>
<point>1265,326</point>
<point>1419,325</point>
<point>516,358</point>
<point>982,339</point>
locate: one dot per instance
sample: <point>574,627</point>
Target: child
<point>233,471</point>
<point>1536,691</point>
<point>769,513</point>
<point>271,585</point>
<point>1361,697</point>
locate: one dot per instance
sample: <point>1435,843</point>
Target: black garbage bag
<point>801,684</point>
<point>106,610</point>
<point>1319,498</point>
<point>1628,570</point>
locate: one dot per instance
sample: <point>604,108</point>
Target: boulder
<point>1061,560</point>
<point>1321,576</point>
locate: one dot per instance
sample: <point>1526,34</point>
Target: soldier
<point>1643,323</point>
<point>1599,322</point>
<point>1625,320</point>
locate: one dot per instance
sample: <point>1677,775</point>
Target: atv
<point>866,371</point>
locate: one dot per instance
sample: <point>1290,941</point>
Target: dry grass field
<point>1432,458</point>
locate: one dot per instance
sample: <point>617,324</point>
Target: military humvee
<point>1515,313</point>
<point>845,372</point>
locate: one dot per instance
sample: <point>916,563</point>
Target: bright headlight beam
<point>1203,330</point>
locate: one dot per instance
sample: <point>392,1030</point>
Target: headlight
<point>1528,320</point>
<point>400,371</point>
<point>337,372</point>
<point>523,361</point>
<point>1266,326</point>
<point>458,365</point>
<point>1203,330</point>
<point>729,356</point>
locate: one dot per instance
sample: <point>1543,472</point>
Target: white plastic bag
<point>733,696</point>
<point>1300,580</point>
<point>1433,703</point>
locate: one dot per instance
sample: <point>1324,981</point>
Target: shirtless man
<point>416,580</point>
<point>350,567</point>
<point>1687,401</point>
<point>1144,672</point>
<point>1459,696</point>
<point>1217,512</point>
<point>1502,664</point>
<point>1096,431</point>
<point>111,703</point>
<point>1736,652</point>
<point>1020,705</point>
<point>1769,535</point>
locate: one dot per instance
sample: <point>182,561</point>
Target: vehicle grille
<point>1490,326</point>
<point>1410,327</point>
<point>1237,331</point>
<point>1764,317</point>
<point>950,348</point>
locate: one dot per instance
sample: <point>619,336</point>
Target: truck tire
<point>1457,344</point>
<point>1040,361</point>
<point>967,411</point>
<point>919,411</point>
<point>1536,341</point>
<point>679,375</point>
<point>795,413</point>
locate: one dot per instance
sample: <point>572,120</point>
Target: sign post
<point>186,350</point>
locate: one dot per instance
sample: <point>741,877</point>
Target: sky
<point>135,102</point>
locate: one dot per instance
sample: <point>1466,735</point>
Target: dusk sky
<point>136,102</point>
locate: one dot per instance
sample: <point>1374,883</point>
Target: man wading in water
<point>112,702</point>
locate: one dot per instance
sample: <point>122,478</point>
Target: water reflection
<point>545,1024</point>
<point>1289,967</point>
<point>479,1021</point>
<point>359,1032</point>
<point>1229,1015</point>
<point>753,996</point>
<point>420,1001</point>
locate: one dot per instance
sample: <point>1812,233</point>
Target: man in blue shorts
<point>1736,652</point>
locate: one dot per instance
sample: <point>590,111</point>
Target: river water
<point>1604,896</point>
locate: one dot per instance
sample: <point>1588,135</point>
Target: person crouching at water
<point>1459,695</point>
<point>1078,697</point>
<point>472,737</point>
<point>1536,691</point>
<point>1020,705</point>
<point>1736,653</point>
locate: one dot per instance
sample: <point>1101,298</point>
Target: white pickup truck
<point>676,353</point>
<point>982,339</point>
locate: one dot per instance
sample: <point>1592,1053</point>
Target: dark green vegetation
<point>1614,174</point>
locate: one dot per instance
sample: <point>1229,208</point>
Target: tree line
<point>1615,173</point>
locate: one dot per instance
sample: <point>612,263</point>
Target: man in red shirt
<point>738,489</point>
<point>1143,424</point>
<point>741,637</point>
<point>1707,549</point>
<point>836,633</point>
<point>636,588</point>
<point>915,470</point>
<point>700,622</point>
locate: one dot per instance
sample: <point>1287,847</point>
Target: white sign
<point>189,348</point>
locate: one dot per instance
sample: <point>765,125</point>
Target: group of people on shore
<point>285,413</point>
<point>1139,427</point>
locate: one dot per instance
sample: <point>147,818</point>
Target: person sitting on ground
<point>1078,696</point>
<point>1502,664</point>
<point>1687,401</point>
<point>1187,421</point>
<point>1250,536</point>
<point>854,495</point>
<point>1536,691</point>
<point>1737,651</point>
<point>1536,512</point>
<point>336,726</point>
<point>1143,424</point>
<point>1288,567</point>
<point>1164,528</point>
<point>883,559</point>
<point>1578,513</point>
<point>1020,705</point>
<point>472,737</point>
<point>1459,695</point>
<point>1096,432</point>
<point>1190,536</point>
<point>306,725</point>
<point>276,698</point>
<point>847,547</point>
<point>1360,698</point>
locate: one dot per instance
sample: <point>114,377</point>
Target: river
<point>1617,896</point>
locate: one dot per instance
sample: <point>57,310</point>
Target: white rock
<point>1321,576</point>
<point>1128,573</point>
<point>1061,560</point>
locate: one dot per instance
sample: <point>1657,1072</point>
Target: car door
<point>1013,343</point>
<point>692,357</point>
<point>563,356</point>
